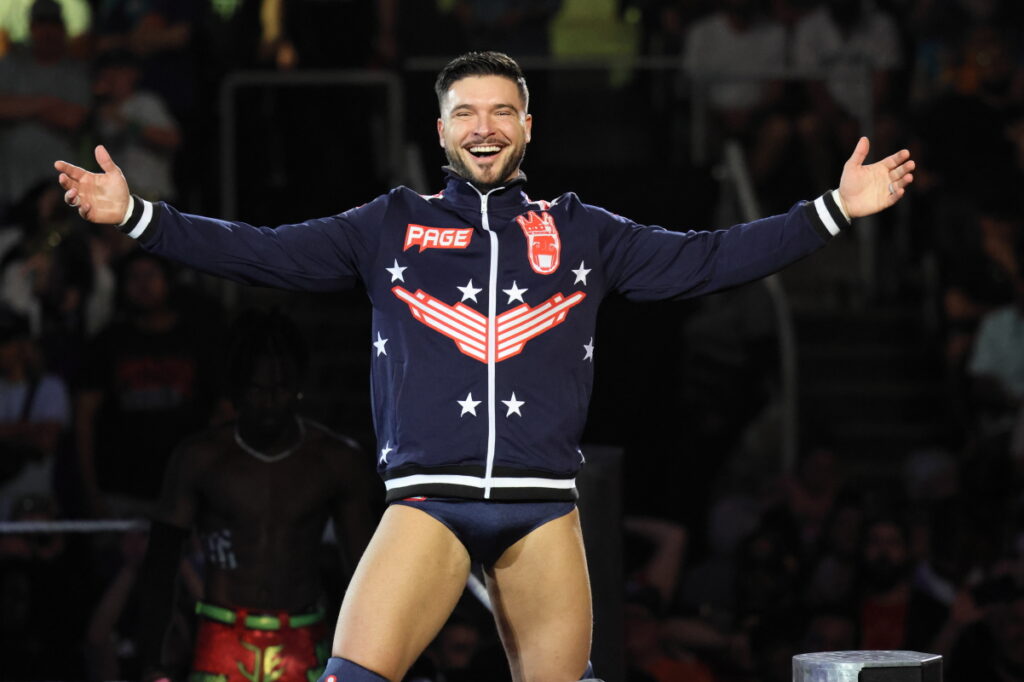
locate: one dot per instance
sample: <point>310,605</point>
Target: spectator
<point>894,614</point>
<point>738,54</point>
<point>516,27</point>
<point>996,366</point>
<point>44,101</point>
<point>833,569</point>
<point>150,380</point>
<point>111,636</point>
<point>136,123</point>
<point>979,266</point>
<point>34,412</point>
<point>14,24</point>
<point>44,581</point>
<point>992,648</point>
<point>842,43</point>
<point>651,653</point>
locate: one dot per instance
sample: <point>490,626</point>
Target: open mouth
<point>484,151</point>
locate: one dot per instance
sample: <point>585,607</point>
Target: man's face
<point>484,129</point>
<point>145,285</point>
<point>267,405</point>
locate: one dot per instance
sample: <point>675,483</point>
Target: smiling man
<point>483,342</point>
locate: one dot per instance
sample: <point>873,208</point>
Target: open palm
<point>869,189</point>
<point>99,197</point>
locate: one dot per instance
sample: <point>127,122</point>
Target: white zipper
<point>492,313</point>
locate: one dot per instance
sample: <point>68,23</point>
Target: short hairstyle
<point>255,334</point>
<point>481,64</point>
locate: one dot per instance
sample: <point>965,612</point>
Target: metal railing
<point>750,209</point>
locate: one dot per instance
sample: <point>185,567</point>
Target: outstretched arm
<point>323,254</point>
<point>99,197</point>
<point>866,190</point>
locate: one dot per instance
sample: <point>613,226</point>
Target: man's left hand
<point>869,189</point>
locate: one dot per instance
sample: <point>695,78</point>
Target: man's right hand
<point>99,197</point>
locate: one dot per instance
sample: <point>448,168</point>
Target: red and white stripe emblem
<point>468,328</point>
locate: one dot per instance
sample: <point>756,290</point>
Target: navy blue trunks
<point>487,529</point>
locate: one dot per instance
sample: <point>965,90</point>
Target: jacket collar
<point>461,192</point>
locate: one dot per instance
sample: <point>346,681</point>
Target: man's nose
<point>484,126</point>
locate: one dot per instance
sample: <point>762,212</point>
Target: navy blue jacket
<point>484,309</point>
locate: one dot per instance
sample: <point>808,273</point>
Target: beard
<point>501,176</point>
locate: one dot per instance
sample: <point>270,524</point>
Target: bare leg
<point>541,595</point>
<point>402,592</point>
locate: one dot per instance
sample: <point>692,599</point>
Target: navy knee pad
<point>344,670</point>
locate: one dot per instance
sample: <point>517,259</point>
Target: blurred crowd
<point>109,357</point>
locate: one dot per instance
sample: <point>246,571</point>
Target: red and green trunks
<point>242,646</point>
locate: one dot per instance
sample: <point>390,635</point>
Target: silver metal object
<point>847,666</point>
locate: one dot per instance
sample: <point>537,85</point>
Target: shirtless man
<point>258,492</point>
<point>484,314</point>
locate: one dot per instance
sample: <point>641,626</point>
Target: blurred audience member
<point>112,633</point>
<point>259,493</point>
<point>738,53</point>
<point>455,651</point>
<point>832,570</point>
<point>665,545</point>
<point>34,412</point>
<point>135,125</point>
<point>894,613</point>
<point>520,28</point>
<point>150,380</point>
<point>45,592</point>
<point>855,50</point>
<point>652,652</point>
<point>996,366</point>
<point>55,275</point>
<point>14,24</point>
<point>992,647</point>
<point>44,98</point>
<point>979,263</point>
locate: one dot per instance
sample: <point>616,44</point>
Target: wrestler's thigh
<point>403,590</point>
<point>540,590</point>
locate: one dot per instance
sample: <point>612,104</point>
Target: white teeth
<point>484,150</point>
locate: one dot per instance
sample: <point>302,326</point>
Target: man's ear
<point>440,132</point>
<point>529,126</point>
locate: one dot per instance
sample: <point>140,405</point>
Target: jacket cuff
<point>827,214</point>
<point>139,217</point>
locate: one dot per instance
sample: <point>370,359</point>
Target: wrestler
<point>258,493</point>
<point>484,314</point>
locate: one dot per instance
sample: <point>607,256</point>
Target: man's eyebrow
<point>502,105</point>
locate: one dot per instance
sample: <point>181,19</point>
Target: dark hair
<point>255,334</point>
<point>481,64</point>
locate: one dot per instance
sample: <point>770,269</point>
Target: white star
<point>396,272</point>
<point>515,293</point>
<point>469,292</point>
<point>581,273</point>
<point>384,453</point>
<point>379,345</point>
<point>468,405</point>
<point>588,349</point>
<point>513,405</point>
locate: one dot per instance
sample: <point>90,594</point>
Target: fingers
<point>74,172</point>
<point>104,160</point>
<point>860,152</point>
<point>66,182</point>
<point>897,159</point>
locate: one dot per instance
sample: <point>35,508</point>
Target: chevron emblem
<point>468,328</point>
